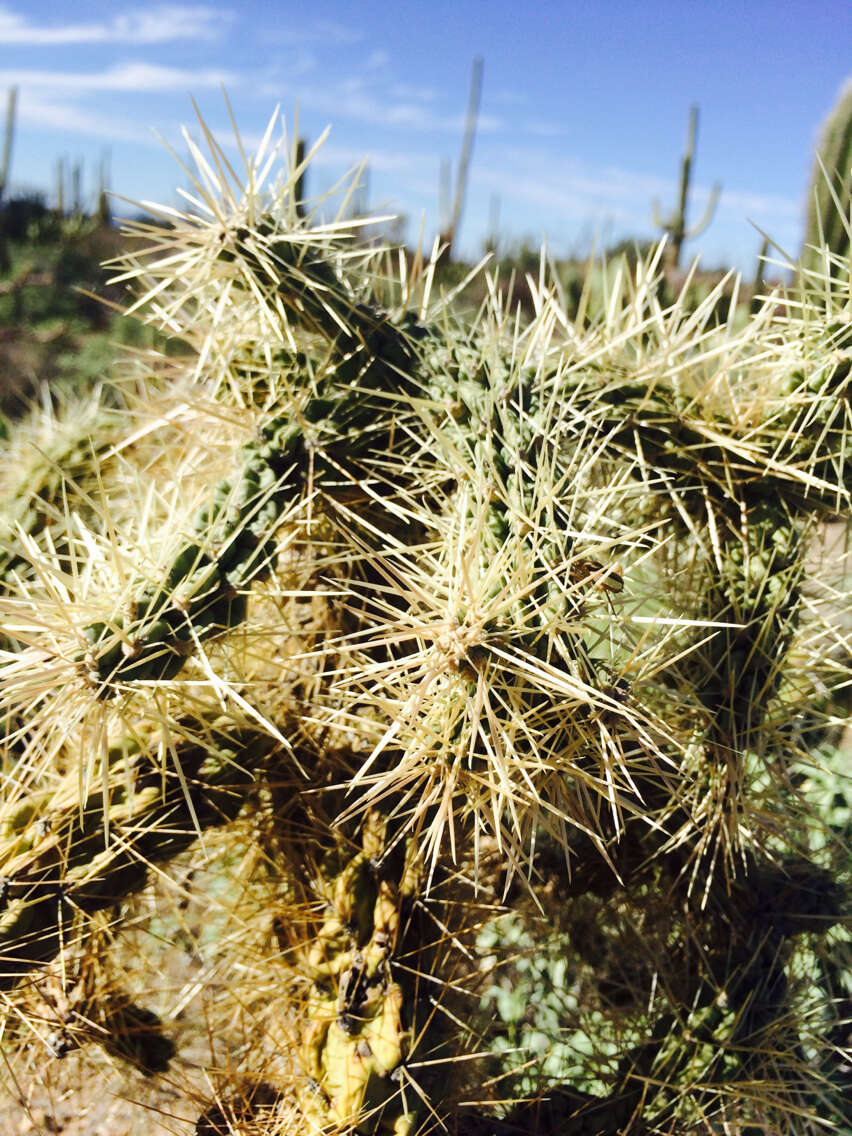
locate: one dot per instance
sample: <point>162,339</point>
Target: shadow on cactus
<point>436,701</point>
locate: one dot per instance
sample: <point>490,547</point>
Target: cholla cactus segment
<point>363,1011</point>
<point>471,673</point>
<point>94,618</point>
<point>423,620</point>
<point>671,1016</point>
<point>58,862</point>
<point>51,456</point>
<point>75,1001</point>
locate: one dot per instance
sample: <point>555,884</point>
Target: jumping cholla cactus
<point>370,655</point>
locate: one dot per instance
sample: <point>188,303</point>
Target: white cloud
<point>549,176</point>
<point>369,102</point>
<point>758,204</point>
<point>316,33</point>
<point>128,77</point>
<point>386,161</point>
<point>376,61</point>
<point>143,26</point>
<point>65,116</point>
<point>546,129</point>
<point>407,91</point>
<point>550,179</point>
<point>271,76</point>
<point>76,102</point>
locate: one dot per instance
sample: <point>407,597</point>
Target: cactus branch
<point>59,859</point>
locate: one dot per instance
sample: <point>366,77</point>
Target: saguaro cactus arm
<point>453,218</point>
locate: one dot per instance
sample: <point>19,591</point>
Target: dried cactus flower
<point>420,721</point>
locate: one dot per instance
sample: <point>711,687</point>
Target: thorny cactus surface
<point>419,646</point>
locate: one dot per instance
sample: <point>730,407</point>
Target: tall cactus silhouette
<point>828,224</point>
<point>8,137</point>
<point>420,648</point>
<point>675,225</point>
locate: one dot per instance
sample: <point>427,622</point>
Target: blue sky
<point>583,116</point>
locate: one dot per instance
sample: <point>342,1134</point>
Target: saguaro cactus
<point>451,218</point>
<point>4,171</point>
<point>675,225</point>
<point>8,137</point>
<point>421,647</point>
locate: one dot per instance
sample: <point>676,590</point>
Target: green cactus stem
<point>11,107</point>
<point>826,246</point>
<point>802,455</point>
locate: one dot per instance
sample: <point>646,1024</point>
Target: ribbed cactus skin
<point>427,622</point>
<point>830,192</point>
